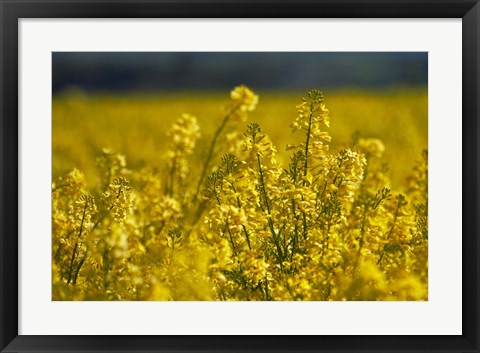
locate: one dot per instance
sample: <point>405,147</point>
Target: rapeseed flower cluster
<point>243,226</point>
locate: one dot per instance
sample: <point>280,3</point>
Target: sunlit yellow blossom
<point>244,98</point>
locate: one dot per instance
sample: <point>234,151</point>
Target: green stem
<point>211,150</point>
<point>305,169</point>
<point>74,253</point>
<point>234,248</point>
<point>243,226</point>
<point>307,142</point>
<point>269,217</point>
<point>399,204</point>
<point>78,270</point>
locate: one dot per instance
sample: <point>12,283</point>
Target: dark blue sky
<point>190,71</point>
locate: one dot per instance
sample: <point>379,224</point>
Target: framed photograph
<point>239,176</point>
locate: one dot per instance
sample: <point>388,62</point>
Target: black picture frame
<point>11,11</point>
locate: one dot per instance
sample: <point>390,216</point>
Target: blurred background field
<point>136,126</point>
<point>128,101</point>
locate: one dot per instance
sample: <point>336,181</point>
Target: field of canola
<point>240,196</point>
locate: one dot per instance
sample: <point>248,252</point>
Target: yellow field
<point>197,197</point>
<point>136,126</point>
